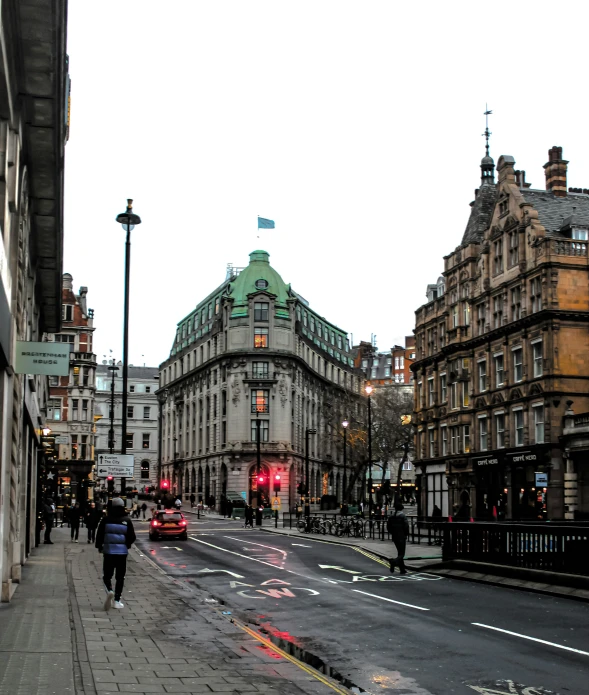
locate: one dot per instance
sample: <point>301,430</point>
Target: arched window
<point>144,470</point>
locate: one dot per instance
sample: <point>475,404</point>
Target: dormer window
<point>579,234</point>
<point>261,284</point>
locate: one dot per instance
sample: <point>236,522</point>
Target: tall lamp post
<point>369,389</point>
<point>345,424</point>
<point>162,397</point>
<point>308,431</point>
<point>113,369</point>
<point>128,220</point>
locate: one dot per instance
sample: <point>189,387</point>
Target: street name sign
<point>118,465</point>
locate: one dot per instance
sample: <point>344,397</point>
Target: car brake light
<point>183,523</point>
<point>155,523</point>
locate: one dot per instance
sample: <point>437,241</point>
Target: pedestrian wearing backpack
<point>398,527</point>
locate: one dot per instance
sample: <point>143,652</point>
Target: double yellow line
<point>307,669</point>
<point>371,556</point>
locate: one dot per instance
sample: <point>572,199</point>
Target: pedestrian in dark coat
<point>398,527</point>
<point>75,516</point>
<point>48,518</point>
<point>249,516</point>
<point>114,536</point>
<point>92,518</point>
<point>144,509</point>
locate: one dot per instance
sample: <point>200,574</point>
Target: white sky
<point>356,126</point>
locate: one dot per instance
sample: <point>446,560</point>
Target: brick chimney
<point>556,172</point>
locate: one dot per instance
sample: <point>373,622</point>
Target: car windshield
<point>170,517</point>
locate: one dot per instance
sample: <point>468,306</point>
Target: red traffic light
<point>261,478</point>
<point>277,478</point>
<point>109,477</point>
<point>165,484</point>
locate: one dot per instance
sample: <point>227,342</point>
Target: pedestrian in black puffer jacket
<point>76,515</point>
<point>114,536</point>
<point>398,527</point>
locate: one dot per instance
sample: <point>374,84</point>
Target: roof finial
<point>487,132</point>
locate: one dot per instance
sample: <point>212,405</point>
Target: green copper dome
<point>259,276</point>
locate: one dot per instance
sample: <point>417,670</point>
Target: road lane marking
<point>390,600</point>
<point>261,545</point>
<point>301,545</point>
<point>233,574</point>
<point>533,639</point>
<point>337,567</point>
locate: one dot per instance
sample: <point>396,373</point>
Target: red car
<point>168,523</point>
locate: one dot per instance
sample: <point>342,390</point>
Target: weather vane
<point>487,132</point>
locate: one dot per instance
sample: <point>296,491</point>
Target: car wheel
<point>153,537</point>
<point>184,536</point>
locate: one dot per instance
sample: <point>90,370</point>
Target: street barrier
<point>557,548</point>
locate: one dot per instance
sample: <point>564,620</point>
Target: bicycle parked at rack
<point>350,526</point>
<point>314,524</point>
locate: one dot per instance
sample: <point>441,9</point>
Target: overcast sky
<point>356,126</point>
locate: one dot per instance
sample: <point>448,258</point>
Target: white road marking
<point>233,574</point>
<point>341,569</point>
<point>533,639</point>
<point>301,545</point>
<point>390,600</point>
<point>261,545</point>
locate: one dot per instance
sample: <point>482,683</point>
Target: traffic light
<point>261,479</point>
<point>165,484</point>
<point>276,483</point>
<point>110,483</point>
<point>301,488</point>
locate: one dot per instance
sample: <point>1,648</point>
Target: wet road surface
<point>417,633</point>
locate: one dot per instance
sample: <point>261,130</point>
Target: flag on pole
<point>264,223</point>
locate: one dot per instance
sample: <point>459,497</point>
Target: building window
<point>500,429</point>
<point>364,364</point>
<point>443,389</point>
<point>454,439</point>
<point>518,367</point>
<point>260,401</point>
<point>483,434</point>
<point>373,373</point>
<point>132,388</point>
<point>387,372</point>
<point>84,410</point>
<point>536,294</point>
<point>55,406</point>
<point>480,319</point>
<point>516,307</point>
<point>130,412</point>
<point>498,256</point>
<point>465,396</point>
<point>482,376</point>
<point>146,412</point>
<point>466,439</point>
<point>513,248</point>
<point>74,409</point>
<point>444,433</point>
<point>432,443</point>
<point>67,312</point>
<point>466,314</point>
<point>518,421</point>
<point>260,370</point>
<point>430,390</point>
<point>264,430</point>
<point>74,446</point>
<point>145,442</point>
<point>499,376</point>
<point>129,440</point>
<point>537,357</point>
<point>454,395</point>
<point>538,411</point>
<point>64,338</point>
<point>260,337</point>
<point>455,316</point>
<point>261,311</point>
<point>144,470</point>
<point>497,311</point>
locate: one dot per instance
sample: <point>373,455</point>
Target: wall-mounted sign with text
<point>52,359</point>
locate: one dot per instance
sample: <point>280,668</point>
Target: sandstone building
<point>254,351</point>
<point>501,353</point>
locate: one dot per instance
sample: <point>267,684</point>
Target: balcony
<point>261,377</point>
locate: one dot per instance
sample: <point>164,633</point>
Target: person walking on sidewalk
<point>93,516</point>
<point>143,510</point>
<point>75,516</point>
<point>192,500</point>
<point>114,536</point>
<point>398,527</point>
<point>48,517</point>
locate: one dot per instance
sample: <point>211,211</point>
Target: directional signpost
<point>117,465</point>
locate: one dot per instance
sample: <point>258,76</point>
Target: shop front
<point>67,482</point>
<point>512,484</point>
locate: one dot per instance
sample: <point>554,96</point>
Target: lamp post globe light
<point>345,424</point>
<point>308,431</point>
<point>369,389</point>
<point>128,220</point>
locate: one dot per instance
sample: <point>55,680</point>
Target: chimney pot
<point>556,172</point>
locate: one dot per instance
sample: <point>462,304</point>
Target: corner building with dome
<point>253,350</point>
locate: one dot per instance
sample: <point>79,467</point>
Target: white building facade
<point>142,421</point>
<point>254,354</point>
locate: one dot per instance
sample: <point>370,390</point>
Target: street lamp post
<point>111,432</point>
<point>308,431</point>
<point>162,397</point>
<point>369,390</point>
<point>127,220</point>
<point>258,460</point>
<point>345,424</point>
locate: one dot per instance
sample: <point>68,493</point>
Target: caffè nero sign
<point>517,457</point>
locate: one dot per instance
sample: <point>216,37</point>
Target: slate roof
<point>553,210</point>
<point>481,213</point>
<point>134,372</point>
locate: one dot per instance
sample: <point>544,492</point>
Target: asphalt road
<point>417,634</point>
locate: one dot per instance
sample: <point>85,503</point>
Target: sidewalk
<point>55,636</point>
